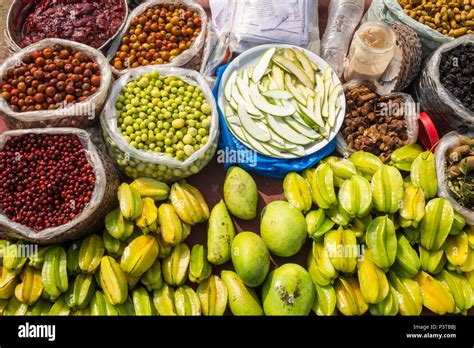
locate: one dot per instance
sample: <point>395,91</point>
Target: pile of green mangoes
<point>381,242</point>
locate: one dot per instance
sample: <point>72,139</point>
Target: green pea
<point>187,139</point>
<point>178,123</point>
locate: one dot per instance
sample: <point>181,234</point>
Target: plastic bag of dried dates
<point>55,185</point>
<point>445,88</point>
<point>54,83</point>
<point>376,123</point>
<point>455,172</point>
<point>160,32</point>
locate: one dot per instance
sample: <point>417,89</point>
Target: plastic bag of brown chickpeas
<point>54,83</point>
<point>160,32</point>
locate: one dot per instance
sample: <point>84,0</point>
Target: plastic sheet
<point>92,217</point>
<point>137,163</point>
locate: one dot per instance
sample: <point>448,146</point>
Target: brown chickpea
<point>21,86</point>
<point>58,97</point>
<point>29,100</point>
<point>62,77</point>
<point>30,91</point>
<point>40,62</point>
<point>63,54</point>
<point>61,86</point>
<point>39,98</point>
<point>6,95</point>
<point>50,91</point>
<point>95,81</point>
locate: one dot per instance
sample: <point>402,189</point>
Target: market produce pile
<point>92,22</point>
<point>158,36</point>
<point>381,242</point>
<point>457,74</point>
<point>283,104</point>
<point>460,172</point>
<point>373,123</point>
<point>47,180</point>
<point>50,79</point>
<point>453,18</point>
<point>164,114</point>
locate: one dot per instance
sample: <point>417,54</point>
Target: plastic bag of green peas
<point>160,122</point>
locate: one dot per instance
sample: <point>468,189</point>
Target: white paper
<point>221,13</point>
<point>261,21</point>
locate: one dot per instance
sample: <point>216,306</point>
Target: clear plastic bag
<point>214,54</point>
<point>92,217</point>
<point>137,163</point>
<point>80,115</point>
<point>191,58</point>
<point>411,115</point>
<point>449,141</point>
<point>389,11</point>
<point>446,111</point>
<point>343,18</point>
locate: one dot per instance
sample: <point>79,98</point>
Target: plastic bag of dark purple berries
<point>81,111</point>
<point>89,220</point>
<point>445,88</point>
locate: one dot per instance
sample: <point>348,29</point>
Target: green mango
<point>283,228</point>
<point>242,300</point>
<point>250,258</point>
<point>220,234</point>
<point>240,194</point>
<point>288,290</point>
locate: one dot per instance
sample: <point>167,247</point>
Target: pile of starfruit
<point>138,266</point>
<point>382,241</point>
